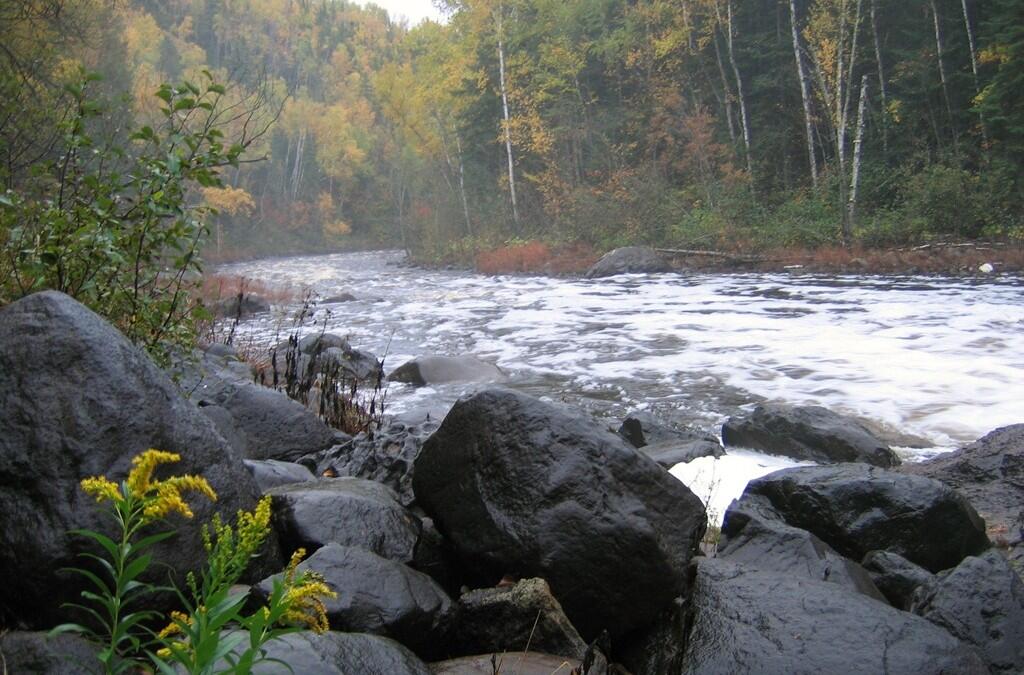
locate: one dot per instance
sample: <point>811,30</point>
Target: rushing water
<point>939,358</point>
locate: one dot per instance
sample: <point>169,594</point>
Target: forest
<point>713,124</point>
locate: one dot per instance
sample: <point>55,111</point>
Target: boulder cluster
<point>516,535</point>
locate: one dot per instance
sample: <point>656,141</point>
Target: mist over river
<point>939,358</point>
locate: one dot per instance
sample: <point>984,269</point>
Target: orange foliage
<point>535,257</point>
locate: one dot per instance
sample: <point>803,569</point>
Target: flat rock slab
<point>346,511</point>
<point>750,621</point>
<point>333,653</point>
<point>856,508</point>
<point>807,433</point>
<point>271,473</point>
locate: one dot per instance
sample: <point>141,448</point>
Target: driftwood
<point>734,257</point>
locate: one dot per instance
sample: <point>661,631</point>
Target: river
<point>939,358</point>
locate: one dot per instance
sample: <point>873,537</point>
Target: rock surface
<point>43,654</point>
<point>271,473</point>
<point>504,619</point>
<point>510,663</point>
<point>808,433</point>
<point>981,601</point>
<point>753,533</point>
<point>241,306</point>
<point>77,400</point>
<point>856,508</point>
<point>990,473</point>
<point>346,511</point>
<point>665,444</point>
<point>378,596</point>
<point>334,653</point>
<point>425,370</point>
<point>528,488</point>
<point>747,620</point>
<point>895,576</point>
<point>629,260</point>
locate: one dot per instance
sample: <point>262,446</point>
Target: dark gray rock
<point>314,343</point>
<point>221,350</point>
<point>665,444</point>
<point>385,456</point>
<point>629,260</point>
<point>659,647</point>
<point>528,488</point>
<point>241,306</point>
<point>379,596</point>
<point>754,534</point>
<point>425,370</point>
<point>346,511</point>
<point>270,473</point>
<point>981,602</point>
<point>339,298</point>
<point>349,363</point>
<point>990,473</point>
<point>895,576</point>
<point>77,400</point>
<point>44,654</point>
<point>747,620</point>
<point>513,618</point>
<point>435,557</point>
<point>333,653</point>
<point>510,663</point>
<point>809,433</point>
<point>856,508</point>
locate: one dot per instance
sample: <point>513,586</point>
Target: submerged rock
<point>856,508</point>
<point>527,488</point>
<point>746,620</point>
<point>807,433</point>
<point>77,399</point>
<point>629,260</point>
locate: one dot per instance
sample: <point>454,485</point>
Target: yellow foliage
<point>229,200</point>
<point>338,228</point>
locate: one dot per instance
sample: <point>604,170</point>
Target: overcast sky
<point>414,10</point>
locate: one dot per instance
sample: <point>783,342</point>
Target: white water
<point>938,358</point>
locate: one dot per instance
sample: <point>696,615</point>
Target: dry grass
<point>216,287</point>
<point>534,257</point>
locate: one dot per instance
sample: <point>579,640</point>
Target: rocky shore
<point>515,535</point>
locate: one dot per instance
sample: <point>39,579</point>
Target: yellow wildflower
<point>174,627</point>
<point>101,488</point>
<point>145,464</point>
<point>303,597</point>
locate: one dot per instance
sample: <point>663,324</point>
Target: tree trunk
<point>727,91</point>
<point>805,95</point>
<point>974,64</point>
<point>462,185</point>
<point>507,127</point>
<point>858,144</point>
<point>739,88</point>
<point>939,50</point>
<point>883,92</point>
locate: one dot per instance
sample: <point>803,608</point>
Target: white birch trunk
<point>504,106</point>
<point>805,95</point>
<point>858,144</point>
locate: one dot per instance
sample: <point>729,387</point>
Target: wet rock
<point>77,400</point>
<point>425,370</point>
<point>511,618</point>
<point>665,444</point>
<point>895,576</point>
<point>981,602</point>
<point>45,654</point>
<point>241,306</point>
<point>808,433</point>
<point>271,473</point>
<point>315,343</point>
<point>856,508</point>
<point>435,557</point>
<point>524,487</point>
<point>349,363</point>
<point>338,654</point>
<point>378,596</point>
<point>510,663</point>
<point>990,473</point>
<point>747,620</point>
<point>629,260</point>
<point>339,298</point>
<point>346,511</point>
<point>755,534</point>
<point>385,456</point>
<point>659,647</point>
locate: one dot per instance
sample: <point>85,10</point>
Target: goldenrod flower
<point>303,597</point>
<point>145,464</point>
<point>101,488</point>
<point>174,627</point>
<point>168,496</point>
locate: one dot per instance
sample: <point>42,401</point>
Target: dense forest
<point>694,123</point>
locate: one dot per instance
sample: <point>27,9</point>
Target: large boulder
<point>856,508</point>
<point>241,305</point>
<point>335,653</point>
<point>425,370</point>
<point>512,618</point>
<point>377,595</point>
<point>271,473</point>
<point>665,444</point>
<point>747,620</point>
<point>980,601</point>
<point>40,653</point>
<point>629,260</point>
<point>528,488</point>
<point>895,576</point>
<point>347,511</point>
<point>77,399</point>
<point>990,473</point>
<point>753,533</point>
<point>807,433</point>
